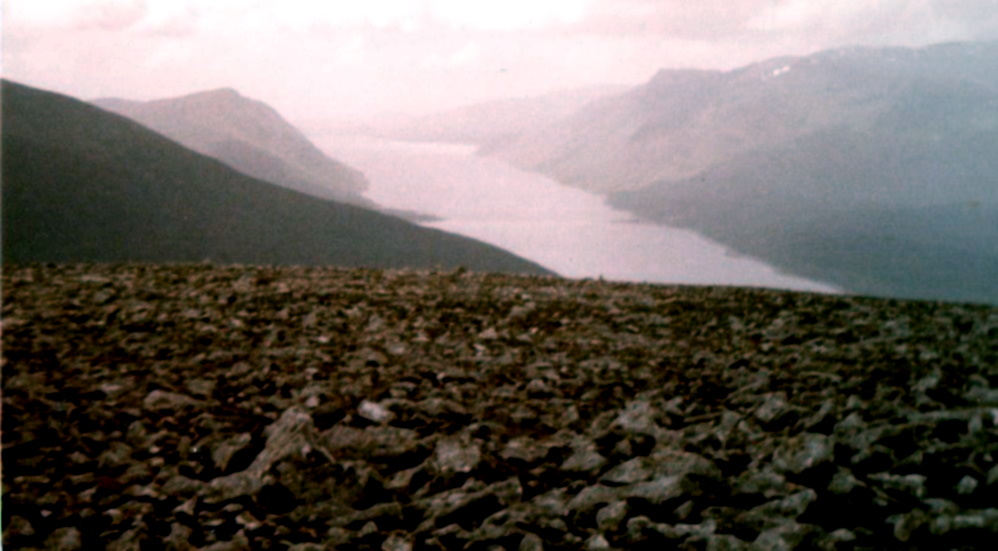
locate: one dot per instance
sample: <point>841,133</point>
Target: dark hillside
<point>82,184</point>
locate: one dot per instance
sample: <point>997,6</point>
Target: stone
<point>291,434</point>
<point>454,455</point>
<point>611,517</point>
<point>807,455</point>
<point>375,412</point>
<point>597,543</point>
<point>585,457</point>
<point>19,526</point>
<point>163,400</point>
<point>531,542</point>
<point>66,538</point>
<point>395,542</point>
<point>225,450</point>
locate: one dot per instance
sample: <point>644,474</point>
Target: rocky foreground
<point>200,407</point>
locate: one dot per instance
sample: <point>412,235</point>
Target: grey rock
<point>660,490</point>
<point>456,455</point>
<point>19,526</point>
<point>804,453</point>
<point>663,462</point>
<point>597,543</point>
<point>785,536</point>
<point>225,450</point>
<point>611,517</point>
<point>67,538</point>
<point>585,457</point>
<point>967,485</point>
<point>163,400</point>
<point>375,412</point>
<point>531,542</point>
<point>396,542</point>
<point>773,410</point>
<point>292,433</point>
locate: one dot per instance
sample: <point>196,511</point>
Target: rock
<point>597,543</point>
<point>292,434</point>
<point>983,520</point>
<point>163,400</point>
<point>361,409</point>
<point>808,458</point>
<point>454,455</point>
<point>375,412</point>
<point>785,536</point>
<point>967,485</point>
<point>225,450</point>
<point>67,538</point>
<point>660,490</point>
<point>611,517</point>
<point>661,463</point>
<point>531,542</point>
<point>584,458</point>
<point>396,542</point>
<point>774,412</point>
<point>18,526</point>
<point>200,387</point>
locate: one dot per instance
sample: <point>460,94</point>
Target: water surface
<point>564,229</point>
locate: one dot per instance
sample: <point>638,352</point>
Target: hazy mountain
<point>682,121</point>
<point>249,136</point>
<point>493,122</point>
<point>908,217</point>
<point>81,184</point>
<point>871,169</point>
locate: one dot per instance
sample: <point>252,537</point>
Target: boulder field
<point>208,407</point>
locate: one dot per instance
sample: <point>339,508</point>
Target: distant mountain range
<point>81,184</point>
<point>875,169</point>
<point>490,123</point>
<point>249,136</point>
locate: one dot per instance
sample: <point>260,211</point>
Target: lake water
<point>564,229</point>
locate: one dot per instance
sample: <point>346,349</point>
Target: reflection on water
<point>567,230</point>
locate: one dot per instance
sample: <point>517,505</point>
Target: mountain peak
<point>218,94</point>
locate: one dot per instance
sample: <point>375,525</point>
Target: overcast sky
<point>351,58</point>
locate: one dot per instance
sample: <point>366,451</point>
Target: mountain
<point>249,136</point>
<point>828,208</point>
<point>683,121</point>
<point>81,184</point>
<point>870,169</point>
<point>490,123</point>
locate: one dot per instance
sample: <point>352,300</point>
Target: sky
<point>320,60</point>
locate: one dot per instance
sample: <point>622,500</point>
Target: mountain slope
<point>906,215</point>
<point>869,168</point>
<point>249,136</point>
<point>82,184</point>
<point>682,122</point>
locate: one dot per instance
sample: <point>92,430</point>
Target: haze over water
<point>565,229</point>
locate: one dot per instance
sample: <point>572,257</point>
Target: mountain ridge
<point>81,184</point>
<point>248,135</point>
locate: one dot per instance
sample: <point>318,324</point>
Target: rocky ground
<point>200,407</point>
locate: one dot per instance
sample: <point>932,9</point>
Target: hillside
<point>200,407</point>
<point>871,169</point>
<point>683,122</point>
<point>82,184</point>
<point>827,207</point>
<point>250,137</point>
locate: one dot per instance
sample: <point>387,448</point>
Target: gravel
<point>205,407</point>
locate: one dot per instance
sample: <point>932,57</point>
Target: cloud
<point>74,14</point>
<point>310,57</point>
